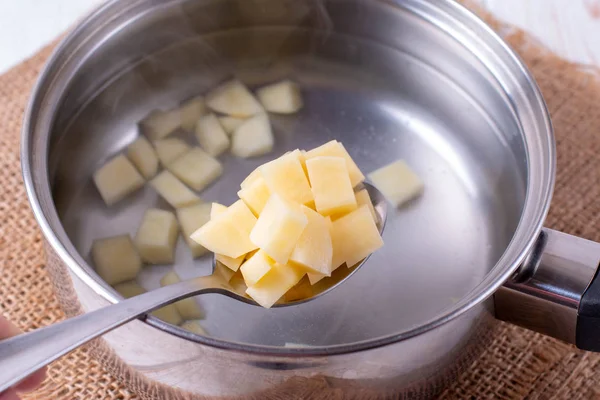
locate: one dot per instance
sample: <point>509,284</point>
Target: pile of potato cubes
<point>297,216</point>
<point>229,117</point>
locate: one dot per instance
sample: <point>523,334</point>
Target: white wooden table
<point>569,27</point>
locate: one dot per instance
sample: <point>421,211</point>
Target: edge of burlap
<point>518,364</point>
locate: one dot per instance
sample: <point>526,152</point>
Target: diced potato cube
<point>217,209</point>
<point>230,124</point>
<point>169,150</point>
<point>256,267</point>
<point>173,191</point>
<point>156,237</point>
<point>196,169</point>
<point>142,155</point>
<point>281,98</point>
<point>211,136</point>
<point>231,263</point>
<point>331,185</point>
<point>255,195</point>
<point>159,124</point>
<point>363,198</point>
<point>301,291</point>
<point>314,249</point>
<point>237,283</point>
<point>233,98</point>
<point>194,327</point>
<point>117,179</point>
<point>354,237</point>
<point>397,182</point>
<point>336,149</point>
<point>191,219</point>
<point>129,289</point>
<point>190,112</point>
<point>274,284</point>
<point>285,177</point>
<point>116,259</point>
<point>187,308</point>
<point>314,278</point>
<point>253,138</point>
<point>229,233</point>
<point>169,314</point>
<point>278,228</point>
<point>250,179</point>
<point>223,271</point>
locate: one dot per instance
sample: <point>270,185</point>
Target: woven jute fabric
<point>517,365</point>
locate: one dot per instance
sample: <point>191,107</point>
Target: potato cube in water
<point>187,308</point>
<point>233,98</point>
<point>275,284</point>
<point>167,313</point>
<point>117,179</point>
<point>278,228</point>
<point>194,327</point>
<point>211,136</point>
<point>281,98</point>
<point>159,124</point>
<point>129,289</point>
<point>156,237</point>
<point>143,156</point>
<point>173,190</point>
<point>168,150</point>
<point>116,259</point>
<point>253,138</point>
<point>196,168</point>
<point>190,220</point>
<point>190,112</point>
<point>331,185</point>
<point>230,124</point>
<point>397,182</point>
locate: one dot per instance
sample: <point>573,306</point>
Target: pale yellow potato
<point>129,289</point>
<point>156,237</point>
<point>281,98</point>
<point>301,291</point>
<point>194,327</point>
<point>196,168</point>
<point>223,271</point>
<point>211,136</point>
<point>285,177</point>
<point>159,124</point>
<point>255,195</point>
<point>331,185</point>
<point>398,183</point>
<point>336,149</point>
<point>237,283</point>
<point>191,111</point>
<point>231,263</point>
<point>363,198</point>
<point>116,179</point>
<point>190,220</point>
<point>230,124</point>
<point>256,267</point>
<point>278,228</point>
<point>142,155</point>
<point>217,209</point>
<point>314,249</point>
<point>173,190</point>
<point>170,149</point>
<point>229,233</point>
<point>250,179</point>
<point>233,98</point>
<point>354,237</point>
<point>167,313</point>
<point>187,308</point>
<point>115,259</point>
<point>275,284</point>
<point>253,138</point>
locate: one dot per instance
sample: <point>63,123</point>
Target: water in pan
<point>385,106</point>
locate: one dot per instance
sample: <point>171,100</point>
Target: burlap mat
<point>518,365</point>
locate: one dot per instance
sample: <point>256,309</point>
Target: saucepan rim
<point>540,184</point>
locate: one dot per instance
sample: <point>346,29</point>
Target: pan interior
<point>420,97</point>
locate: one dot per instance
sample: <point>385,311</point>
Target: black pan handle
<point>556,291</point>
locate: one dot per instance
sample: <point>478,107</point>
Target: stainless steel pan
<point>423,80</point>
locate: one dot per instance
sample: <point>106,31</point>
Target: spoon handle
<point>22,355</point>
